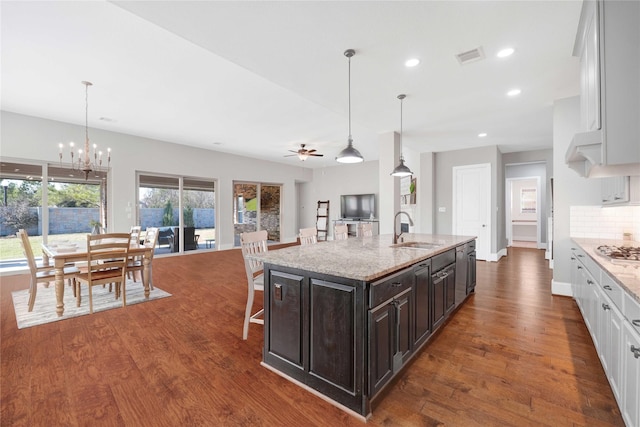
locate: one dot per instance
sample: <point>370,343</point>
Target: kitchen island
<point>342,318</point>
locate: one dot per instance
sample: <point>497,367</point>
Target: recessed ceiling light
<point>514,92</point>
<point>482,135</point>
<point>506,52</point>
<point>412,62</point>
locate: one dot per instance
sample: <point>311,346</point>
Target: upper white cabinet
<point>608,44</point>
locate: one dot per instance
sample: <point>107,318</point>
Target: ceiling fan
<point>303,153</point>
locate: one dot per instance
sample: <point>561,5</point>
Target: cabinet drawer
<point>439,262</point>
<point>471,246</point>
<point>632,311</point>
<point>612,290</point>
<point>588,262</point>
<point>389,287</point>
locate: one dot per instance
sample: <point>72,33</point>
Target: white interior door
<point>472,205</point>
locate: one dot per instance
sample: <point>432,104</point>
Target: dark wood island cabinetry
<point>342,318</point>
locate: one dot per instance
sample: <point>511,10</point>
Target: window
<point>528,200</point>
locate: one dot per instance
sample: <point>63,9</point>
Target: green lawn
<point>10,247</point>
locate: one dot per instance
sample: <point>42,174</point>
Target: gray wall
<point>444,163</point>
<point>568,188</point>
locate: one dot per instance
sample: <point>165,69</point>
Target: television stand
<point>353,225</point>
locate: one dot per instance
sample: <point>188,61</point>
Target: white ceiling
<point>259,78</point>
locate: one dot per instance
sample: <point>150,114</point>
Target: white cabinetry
<point>631,368</point>
<point>612,317</point>
<point>615,189</point>
<point>607,43</point>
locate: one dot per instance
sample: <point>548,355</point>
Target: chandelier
<point>87,161</point>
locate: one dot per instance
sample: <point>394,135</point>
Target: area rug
<point>44,309</point>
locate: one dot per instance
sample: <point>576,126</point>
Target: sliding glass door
<point>256,207</point>
<point>65,209</point>
<point>190,228</point>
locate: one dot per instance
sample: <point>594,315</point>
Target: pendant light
<point>401,169</point>
<point>349,154</point>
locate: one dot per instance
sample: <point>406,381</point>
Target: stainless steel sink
<point>417,245</point>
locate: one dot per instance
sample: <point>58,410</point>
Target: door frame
<point>486,173</point>
<point>508,194</point>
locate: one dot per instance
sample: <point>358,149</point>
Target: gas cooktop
<point>620,253</point>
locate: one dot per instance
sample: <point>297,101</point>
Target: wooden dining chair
<point>107,256</point>
<point>340,232</point>
<point>43,273</point>
<point>366,229</point>
<point>136,264</point>
<point>308,236</point>
<point>253,243</point>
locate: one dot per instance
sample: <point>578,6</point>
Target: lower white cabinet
<point>610,316</point>
<point>631,375</point>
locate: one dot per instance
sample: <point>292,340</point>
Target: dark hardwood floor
<point>513,355</point>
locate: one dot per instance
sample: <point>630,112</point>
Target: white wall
<point>569,189</point>
<point>331,182</point>
<point>33,139</point>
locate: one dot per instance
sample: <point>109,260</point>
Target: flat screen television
<point>358,206</point>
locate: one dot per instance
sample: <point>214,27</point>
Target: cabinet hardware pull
<point>581,256</point>
<point>605,307</point>
<point>396,284</point>
<point>607,287</point>
<point>636,322</point>
<point>423,265</point>
<point>573,259</point>
<point>579,268</point>
<point>636,351</point>
<point>589,281</point>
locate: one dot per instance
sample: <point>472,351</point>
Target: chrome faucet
<point>395,220</point>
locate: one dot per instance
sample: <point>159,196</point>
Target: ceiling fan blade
<point>317,155</point>
<point>311,151</point>
<point>294,151</point>
<point>289,155</point>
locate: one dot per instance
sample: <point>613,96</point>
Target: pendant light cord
<point>350,138</point>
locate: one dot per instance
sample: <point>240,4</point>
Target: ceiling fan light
<point>349,154</point>
<point>401,169</point>
<point>303,156</point>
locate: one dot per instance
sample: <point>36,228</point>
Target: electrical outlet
<point>442,209</point>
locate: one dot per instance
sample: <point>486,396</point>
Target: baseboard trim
<point>561,288</point>
<point>494,257</point>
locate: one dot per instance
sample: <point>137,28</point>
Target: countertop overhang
<point>626,275</point>
<point>361,258</point>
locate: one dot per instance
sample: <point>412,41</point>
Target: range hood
<point>586,155</point>
<point>585,152</point>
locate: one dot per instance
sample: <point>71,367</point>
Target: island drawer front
<point>471,246</point>
<point>439,262</point>
<point>389,287</point>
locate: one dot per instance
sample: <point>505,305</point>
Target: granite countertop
<point>360,258</point>
<point>626,275</point>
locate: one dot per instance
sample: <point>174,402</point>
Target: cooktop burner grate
<point>620,253</point>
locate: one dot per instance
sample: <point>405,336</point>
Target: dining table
<point>63,253</point>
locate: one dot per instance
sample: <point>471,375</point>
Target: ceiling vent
<point>469,56</point>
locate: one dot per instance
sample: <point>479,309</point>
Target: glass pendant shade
<point>349,154</point>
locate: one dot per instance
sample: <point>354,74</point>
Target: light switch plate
<point>442,209</point>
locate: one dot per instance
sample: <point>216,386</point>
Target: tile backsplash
<point>604,223</point>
